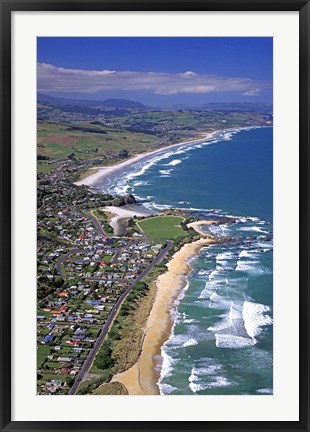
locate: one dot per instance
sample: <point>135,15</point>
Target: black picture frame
<point>7,7</point>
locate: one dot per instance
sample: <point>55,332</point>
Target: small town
<point>84,274</point>
<point>154,217</point>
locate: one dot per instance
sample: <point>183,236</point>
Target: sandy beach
<point>104,172</point>
<point>141,379</point>
<point>197,224</point>
<point>120,216</point>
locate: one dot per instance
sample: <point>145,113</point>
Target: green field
<point>111,388</point>
<point>44,167</point>
<point>56,140</point>
<point>135,132</point>
<point>107,258</point>
<point>42,352</point>
<point>43,313</point>
<point>162,227</point>
<point>187,121</point>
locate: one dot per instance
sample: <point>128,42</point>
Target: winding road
<point>105,328</point>
<point>76,250</point>
<point>63,259</point>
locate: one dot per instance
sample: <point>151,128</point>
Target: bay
<point>222,336</point>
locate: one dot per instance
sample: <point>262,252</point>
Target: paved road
<point>105,328</point>
<point>44,323</point>
<point>95,222</point>
<point>116,255</point>
<point>63,259</point>
<point>99,227</point>
<point>72,251</point>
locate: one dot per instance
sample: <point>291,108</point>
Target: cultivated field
<point>57,140</point>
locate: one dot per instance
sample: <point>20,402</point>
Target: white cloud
<point>189,74</point>
<point>252,92</point>
<point>58,79</point>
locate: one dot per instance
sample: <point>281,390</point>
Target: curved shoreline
<point>120,215</point>
<point>197,225</point>
<point>142,378</point>
<point>104,171</point>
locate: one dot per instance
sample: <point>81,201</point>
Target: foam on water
<point>253,219</point>
<point>255,317</point>
<point>189,321</point>
<point>252,267</point>
<point>242,219</point>
<point>158,206</point>
<point>180,340</point>
<point>175,162</point>
<point>167,365</point>
<point>224,256</point>
<point>225,229</point>
<point>166,389</point>
<point>221,325</point>
<point>264,391</point>
<point>232,341</point>
<point>121,186</point>
<point>202,272</point>
<point>210,289</point>
<point>264,245</point>
<point>229,320</point>
<point>140,183</point>
<point>184,319</point>
<point>202,378</point>
<point>225,305</point>
<point>165,173</point>
<point>181,295</point>
<point>249,253</point>
<point>215,229</point>
<point>177,340</point>
<point>219,302</point>
<point>254,228</point>
<point>190,342</point>
<point>213,275</point>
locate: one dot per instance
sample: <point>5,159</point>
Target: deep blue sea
<point>221,341</point>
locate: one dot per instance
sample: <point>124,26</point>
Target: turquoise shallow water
<point>222,338</point>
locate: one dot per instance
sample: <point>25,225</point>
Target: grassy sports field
<point>162,227</point>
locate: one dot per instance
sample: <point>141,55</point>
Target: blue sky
<point>157,71</point>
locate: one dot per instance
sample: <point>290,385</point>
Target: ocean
<point>221,342</point>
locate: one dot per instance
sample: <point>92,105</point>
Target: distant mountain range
<point>95,107</point>
<point>226,106</point>
<point>109,103</point>
<point>89,107</point>
<point>239,106</point>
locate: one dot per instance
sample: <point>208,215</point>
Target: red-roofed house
<point>74,343</point>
